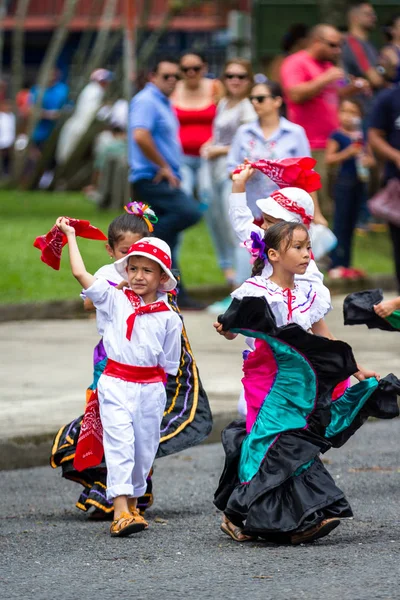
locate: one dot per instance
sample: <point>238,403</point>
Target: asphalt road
<point>48,549</point>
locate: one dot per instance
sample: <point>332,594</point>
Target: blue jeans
<point>196,178</point>
<point>217,216</point>
<point>349,195</point>
<point>175,210</point>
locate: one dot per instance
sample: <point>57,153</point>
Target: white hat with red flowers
<point>154,249</point>
<point>289,204</point>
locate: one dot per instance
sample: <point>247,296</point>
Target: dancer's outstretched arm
<point>77,265</point>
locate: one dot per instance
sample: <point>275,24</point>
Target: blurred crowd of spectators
<point>331,95</point>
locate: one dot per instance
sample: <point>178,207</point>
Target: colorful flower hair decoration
<point>256,247</point>
<point>142,210</point>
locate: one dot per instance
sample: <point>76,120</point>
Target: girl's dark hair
<point>272,86</point>
<point>200,55</point>
<point>273,238</point>
<point>125,223</point>
<point>355,102</point>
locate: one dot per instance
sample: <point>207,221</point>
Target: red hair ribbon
<point>52,243</point>
<point>292,207</point>
<point>290,172</point>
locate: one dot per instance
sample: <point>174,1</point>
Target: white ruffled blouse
<point>301,305</point>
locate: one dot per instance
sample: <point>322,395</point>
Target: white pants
<point>131,415</point>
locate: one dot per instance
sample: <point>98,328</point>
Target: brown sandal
<point>135,512</point>
<point>127,524</point>
<point>315,533</point>
<point>235,533</point>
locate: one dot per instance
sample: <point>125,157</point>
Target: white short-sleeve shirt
<point>301,305</point>
<point>156,337</point>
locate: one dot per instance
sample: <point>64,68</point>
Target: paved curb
<point>72,309</point>
<point>25,452</point>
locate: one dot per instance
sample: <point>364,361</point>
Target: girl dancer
<point>290,204</point>
<point>131,389</point>
<point>187,418</point>
<point>274,484</point>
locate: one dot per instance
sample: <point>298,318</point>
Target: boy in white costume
<point>142,339</point>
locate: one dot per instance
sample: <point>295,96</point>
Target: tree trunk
<point>333,12</point>
<point>17,47</point>
<point>173,9</point>
<point>129,62</point>
<point>81,55</point>
<point>52,53</point>
<point>145,12</point>
<point>97,54</point>
<point>3,12</point>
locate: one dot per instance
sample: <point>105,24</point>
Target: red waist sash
<point>134,374</point>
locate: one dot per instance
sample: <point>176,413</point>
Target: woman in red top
<point>195,100</point>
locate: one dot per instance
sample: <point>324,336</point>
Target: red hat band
<point>292,206</point>
<point>152,252</point>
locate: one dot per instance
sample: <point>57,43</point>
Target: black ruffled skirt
<point>274,483</point>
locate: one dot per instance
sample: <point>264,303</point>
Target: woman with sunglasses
<point>234,109</point>
<point>195,100</point>
<point>270,136</point>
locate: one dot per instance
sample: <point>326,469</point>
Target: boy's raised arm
<point>77,265</point>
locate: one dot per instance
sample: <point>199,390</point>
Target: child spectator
<point>347,149</point>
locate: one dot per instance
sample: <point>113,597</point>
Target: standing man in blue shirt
<point>155,157</point>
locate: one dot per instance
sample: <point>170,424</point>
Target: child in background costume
<point>187,418</point>
<point>289,204</point>
<point>141,336</point>
<point>274,484</point>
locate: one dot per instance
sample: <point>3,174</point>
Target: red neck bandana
<point>52,243</point>
<point>290,172</point>
<point>134,299</point>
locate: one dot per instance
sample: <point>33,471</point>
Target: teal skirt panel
<point>97,371</point>
<point>394,319</point>
<point>287,406</point>
<point>345,409</point>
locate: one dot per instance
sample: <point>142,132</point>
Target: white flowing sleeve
<point>318,304</point>
<point>241,217</point>
<point>251,288</point>
<point>108,272</point>
<point>103,296</point>
<point>173,345</point>
<point>319,309</point>
<point>314,276</point>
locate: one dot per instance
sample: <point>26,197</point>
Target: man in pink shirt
<point>312,83</point>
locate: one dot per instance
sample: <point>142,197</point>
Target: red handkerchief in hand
<point>290,172</point>
<point>52,243</point>
<point>89,449</point>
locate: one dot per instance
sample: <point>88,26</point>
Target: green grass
<point>24,278</point>
<point>25,215</point>
<point>373,253</point>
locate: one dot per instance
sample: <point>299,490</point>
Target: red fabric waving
<point>290,172</point>
<point>52,243</point>
<point>89,449</point>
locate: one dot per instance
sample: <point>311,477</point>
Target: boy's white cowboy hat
<point>289,204</point>
<point>155,249</point>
